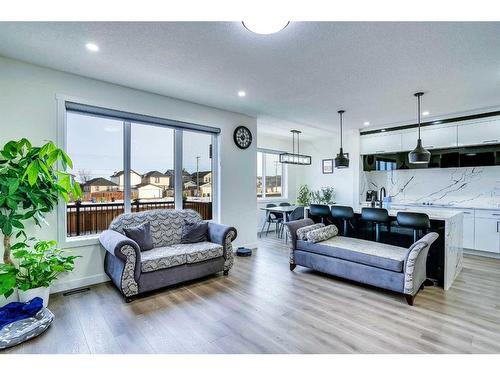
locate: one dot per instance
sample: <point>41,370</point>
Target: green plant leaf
<point>7,228</point>
<point>32,172</point>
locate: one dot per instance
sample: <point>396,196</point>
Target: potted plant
<point>8,290</point>
<point>38,267</point>
<point>304,196</point>
<point>30,186</point>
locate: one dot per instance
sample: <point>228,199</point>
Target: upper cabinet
<point>380,143</point>
<point>479,133</point>
<point>432,137</point>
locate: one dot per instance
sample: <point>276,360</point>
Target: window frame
<point>89,240</point>
<point>284,177</point>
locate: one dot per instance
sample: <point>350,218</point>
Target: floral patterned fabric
<point>129,283</point>
<point>175,255</point>
<point>302,232</point>
<point>322,234</point>
<point>166,225</point>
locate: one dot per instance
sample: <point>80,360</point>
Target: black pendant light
<point>341,161</point>
<point>420,155</point>
<point>295,157</point>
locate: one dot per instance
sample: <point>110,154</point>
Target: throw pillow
<point>322,234</point>
<point>195,232</point>
<point>302,232</point>
<point>141,235</point>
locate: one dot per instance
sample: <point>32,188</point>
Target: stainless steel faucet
<point>381,195</point>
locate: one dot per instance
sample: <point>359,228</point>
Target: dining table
<point>284,210</point>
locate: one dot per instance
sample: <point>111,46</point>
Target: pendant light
<point>420,155</point>
<point>341,161</point>
<point>295,157</point>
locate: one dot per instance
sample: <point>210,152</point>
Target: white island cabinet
<point>487,231</point>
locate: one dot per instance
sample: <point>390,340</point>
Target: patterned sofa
<point>389,267</point>
<point>169,262</point>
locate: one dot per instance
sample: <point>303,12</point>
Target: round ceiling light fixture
<point>265,27</point>
<point>92,47</point>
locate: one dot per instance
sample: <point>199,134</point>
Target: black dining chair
<point>320,211</point>
<point>417,221</point>
<point>296,214</point>
<point>285,204</point>
<point>345,214</point>
<point>376,216</point>
<point>272,218</point>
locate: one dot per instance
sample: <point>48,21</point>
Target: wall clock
<point>242,137</point>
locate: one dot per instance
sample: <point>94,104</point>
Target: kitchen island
<point>452,252</point>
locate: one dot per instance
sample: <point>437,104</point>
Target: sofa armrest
<point>223,235</point>
<point>123,248</point>
<point>292,227</point>
<point>415,263</point>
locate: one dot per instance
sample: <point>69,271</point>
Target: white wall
<point>28,109</point>
<point>270,142</point>
<point>345,181</point>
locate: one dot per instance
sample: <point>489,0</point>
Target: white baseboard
<point>63,286</point>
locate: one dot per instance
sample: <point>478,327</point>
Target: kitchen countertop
<point>447,206</point>
<point>441,214</point>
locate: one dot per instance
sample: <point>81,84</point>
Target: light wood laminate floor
<point>262,307</point>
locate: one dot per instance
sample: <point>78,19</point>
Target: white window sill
<point>80,241</point>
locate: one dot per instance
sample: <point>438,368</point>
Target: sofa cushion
<point>194,232</point>
<point>175,255</point>
<point>371,253</point>
<point>302,232</point>
<point>141,234</point>
<point>322,234</point>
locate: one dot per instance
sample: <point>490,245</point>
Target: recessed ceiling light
<point>241,94</point>
<point>366,123</point>
<point>426,113</point>
<point>265,26</point>
<point>92,47</point>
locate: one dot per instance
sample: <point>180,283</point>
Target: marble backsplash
<point>477,187</point>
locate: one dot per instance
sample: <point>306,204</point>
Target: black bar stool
<point>376,216</point>
<point>417,221</point>
<point>321,211</point>
<point>344,213</point>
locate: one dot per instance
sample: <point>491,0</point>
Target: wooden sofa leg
<point>292,266</point>
<point>409,299</point>
<point>225,273</point>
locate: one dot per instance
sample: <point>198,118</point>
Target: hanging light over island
<point>341,161</point>
<point>419,155</point>
<point>295,157</point>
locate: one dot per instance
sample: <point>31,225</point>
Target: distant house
<point>156,178</point>
<point>205,177</point>
<point>148,191</point>
<point>119,179</point>
<point>99,184</point>
<point>189,185</point>
<point>186,177</point>
<point>206,190</point>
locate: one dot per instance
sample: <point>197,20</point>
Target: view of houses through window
<point>270,183</point>
<point>96,146</point>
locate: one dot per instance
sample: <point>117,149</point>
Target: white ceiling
<point>303,74</point>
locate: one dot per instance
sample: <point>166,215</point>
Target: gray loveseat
<point>169,262</point>
<point>390,267</point>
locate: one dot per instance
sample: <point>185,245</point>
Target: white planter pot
<point>28,295</point>
<point>14,297</point>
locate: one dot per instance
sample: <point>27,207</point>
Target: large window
<point>129,166</point>
<point>270,175</point>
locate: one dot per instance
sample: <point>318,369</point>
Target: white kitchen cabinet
<point>432,137</point>
<point>380,143</point>
<point>487,236</point>
<point>479,133</point>
<point>468,229</point>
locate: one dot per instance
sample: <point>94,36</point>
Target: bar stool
<point>376,216</point>
<point>417,221</point>
<point>344,213</point>
<point>320,210</point>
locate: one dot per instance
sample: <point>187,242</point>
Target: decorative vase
<point>14,297</point>
<point>28,295</point>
